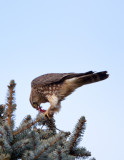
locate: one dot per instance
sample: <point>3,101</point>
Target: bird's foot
<point>48,113</point>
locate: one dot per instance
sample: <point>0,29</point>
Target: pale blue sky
<point>38,37</point>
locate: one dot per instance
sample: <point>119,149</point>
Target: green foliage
<point>30,141</point>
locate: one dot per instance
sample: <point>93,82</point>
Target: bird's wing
<point>55,78</point>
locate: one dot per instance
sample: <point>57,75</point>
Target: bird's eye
<point>34,102</point>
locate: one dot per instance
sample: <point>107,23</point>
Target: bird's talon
<point>46,114</point>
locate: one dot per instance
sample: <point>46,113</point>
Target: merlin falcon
<point>54,87</point>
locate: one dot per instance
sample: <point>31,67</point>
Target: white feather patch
<point>71,80</point>
<point>54,101</point>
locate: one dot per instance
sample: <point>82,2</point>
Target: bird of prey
<point>54,87</point>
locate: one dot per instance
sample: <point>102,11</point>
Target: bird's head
<point>36,100</point>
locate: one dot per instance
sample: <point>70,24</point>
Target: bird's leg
<point>49,112</point>
<point>53,105</point>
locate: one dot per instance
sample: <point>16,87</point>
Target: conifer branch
<point>10,101</point>
<point>2,107</point>
<point>19,147</point>
<point>35,139</point>
<point>22,144</point>
<point>44,134</point>
<point>80,152</point>
<point>2,117</point>
<point>51,124</point>
<point>25,121</point>
<point>77,133</point>
<point>28,126</point>
<point>51,143</point>
<point>1,133</point>
<point>59,154</point>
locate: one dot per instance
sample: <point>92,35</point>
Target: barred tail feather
<point>92,78</point>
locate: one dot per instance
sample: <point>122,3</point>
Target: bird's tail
<point>91,78</point>
<point>79,80</point>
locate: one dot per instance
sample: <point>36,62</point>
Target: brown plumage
<point>54,87</point>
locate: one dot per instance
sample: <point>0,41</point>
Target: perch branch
<point>26,127</point>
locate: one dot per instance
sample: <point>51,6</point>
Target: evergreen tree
<point>31,142</point>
